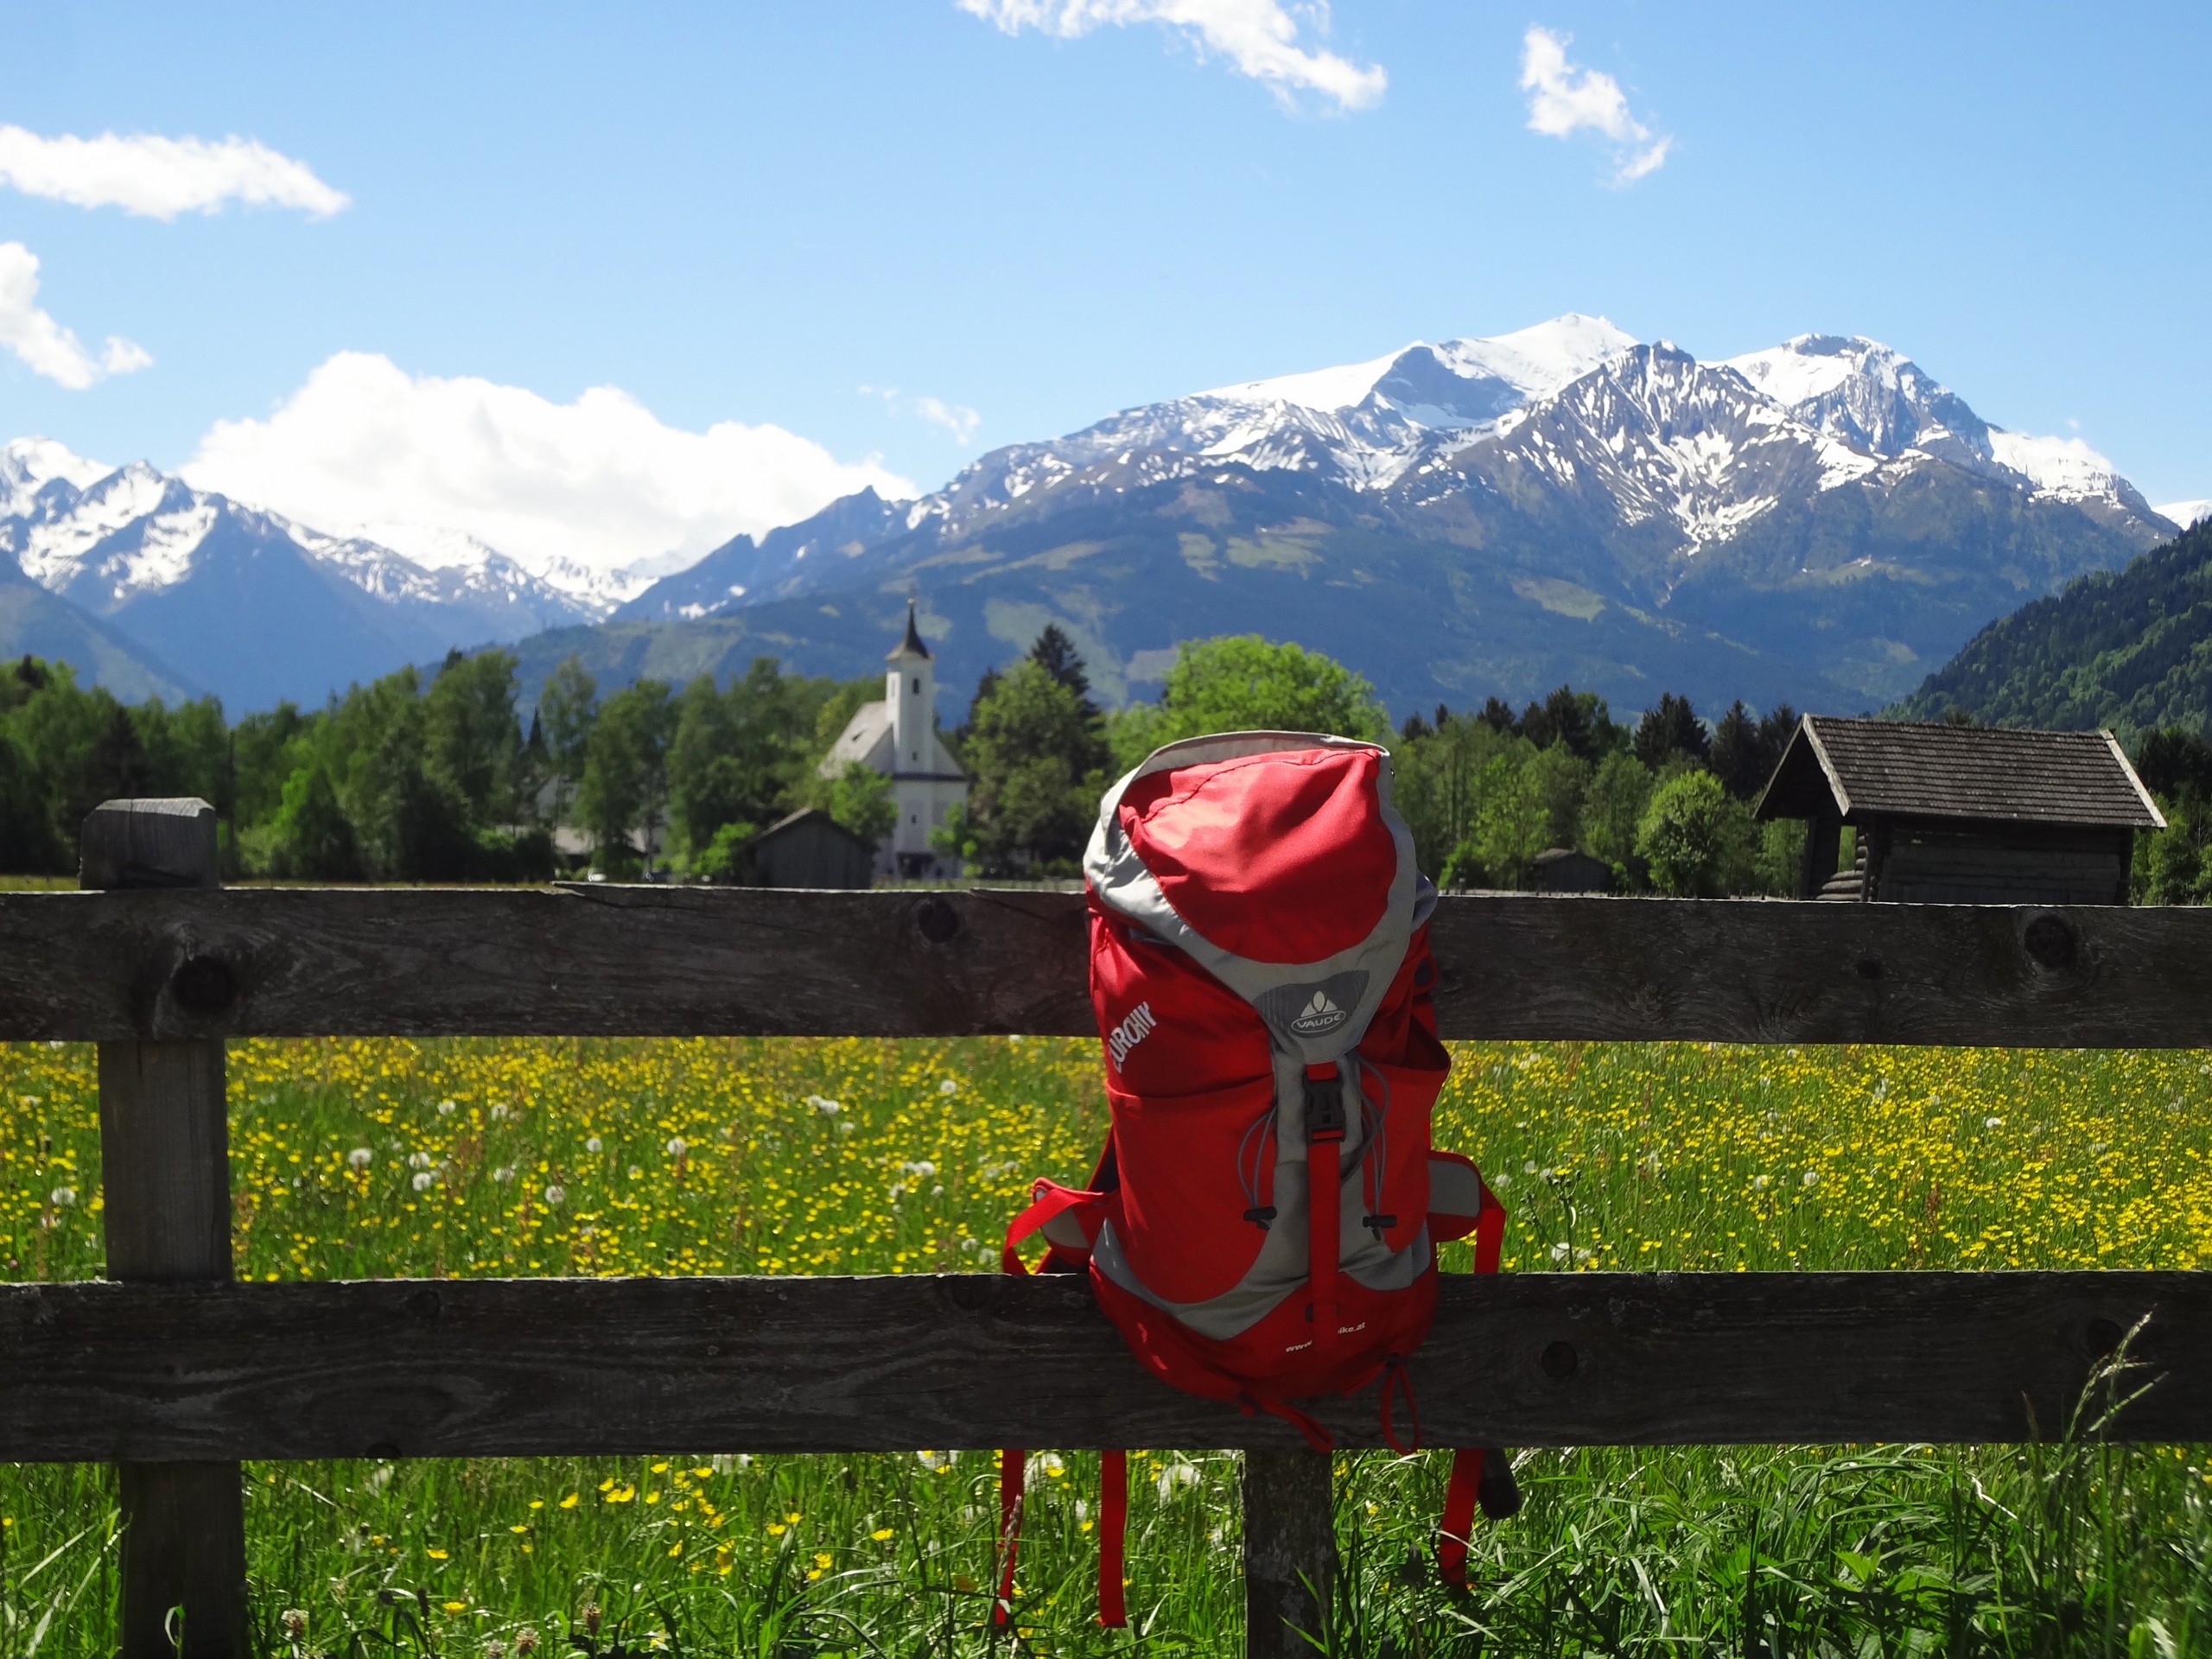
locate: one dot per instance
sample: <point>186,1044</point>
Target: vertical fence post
<point>166,1180</point>
<point>1290,1552</point>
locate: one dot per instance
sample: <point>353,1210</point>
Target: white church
<point>898,737</point>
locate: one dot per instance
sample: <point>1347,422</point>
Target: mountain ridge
<point>209,594</point>
<point>1828,538</point>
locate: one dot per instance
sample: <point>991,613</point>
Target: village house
<point>898,738</point>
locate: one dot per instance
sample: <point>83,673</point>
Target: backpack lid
<point>1276,861</point>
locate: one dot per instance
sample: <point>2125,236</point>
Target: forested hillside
<point>2131,649</point>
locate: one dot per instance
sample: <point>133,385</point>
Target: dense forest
<point>2130,649</point>
<point>442,778</point>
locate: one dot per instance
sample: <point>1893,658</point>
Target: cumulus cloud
<point>1565,99</point>
<point>366,449</point>
<point>160,178</point>
<point>43,345</point>
<point>1261,37</point>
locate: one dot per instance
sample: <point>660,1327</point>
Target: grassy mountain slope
<point>2131,649</point>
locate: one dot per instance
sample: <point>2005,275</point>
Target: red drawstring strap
<point>1458,1515</point>
<point>1316,1436</point>
<point>1325,1135</point>
<point>1050,1200</point>
<point>1012,1464</point>
<point>1489,1230</point>
<point>1113,1530</point>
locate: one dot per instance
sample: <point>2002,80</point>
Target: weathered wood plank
<point>662,961</point>
<point>527,1366</point>
<point>166,1168</point>
<point>1290,1552</point>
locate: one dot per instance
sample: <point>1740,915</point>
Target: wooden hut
<point>810,849</point>
<point>1563,869</point>
<point>1961,814</point>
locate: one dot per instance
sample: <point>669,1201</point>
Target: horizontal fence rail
<point>646,961</point>
<point>482,1368</point>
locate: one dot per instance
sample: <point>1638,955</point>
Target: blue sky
<point>748,213</point>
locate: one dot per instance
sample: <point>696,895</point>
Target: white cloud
<point>1564,98</point>
<point>159,177</point>
<point>365,448</point>
<point>956,418</point>
<point>1261,37</point>
<point>43,345</point>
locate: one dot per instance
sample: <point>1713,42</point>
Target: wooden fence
<point>175,1372</point>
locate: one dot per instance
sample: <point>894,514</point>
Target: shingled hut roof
<point>1856,769</point>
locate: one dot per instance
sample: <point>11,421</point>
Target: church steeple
<point>912,645</point>
<point>910,686</point>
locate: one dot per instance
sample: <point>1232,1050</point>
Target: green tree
<point>1240,683</point>
<point>1510,825</point>
<point>625,785</point>
<point>1613,808</point>
<point>860,799</point>
<point>1696,840</point>
<point>1558,777</point>
<point>722,860</point>
<point>566,707</point>
<point>1744,751</point>
<point>1435,770</point>
<point>470,737</point>
<point>2171,860</point>
<point>416,826</point>
<point>29,844</point>
<point>312,837</point>
<point>1037,755</point>
<point>1778,858</point>
<point>1669,728</point>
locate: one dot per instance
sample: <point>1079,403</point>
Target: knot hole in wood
<point>204,986</point>
<point>2052,941</point>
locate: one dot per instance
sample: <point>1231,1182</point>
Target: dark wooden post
<point>1290,1553</point>
<point>165,1175</point>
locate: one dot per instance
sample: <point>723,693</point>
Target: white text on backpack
<point>1131,1032</point>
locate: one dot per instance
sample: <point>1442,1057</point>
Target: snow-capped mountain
<point>1824,519</point>
<point>240,602</point>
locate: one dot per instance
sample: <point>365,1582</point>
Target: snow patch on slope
<point>2185,513</point>
<point>2065,467</point>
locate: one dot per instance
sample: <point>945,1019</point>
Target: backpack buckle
<point>1324,1105</point>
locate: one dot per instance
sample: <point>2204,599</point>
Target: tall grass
<point>357,1159</point>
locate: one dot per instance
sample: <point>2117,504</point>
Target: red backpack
<point>1262,1222</point>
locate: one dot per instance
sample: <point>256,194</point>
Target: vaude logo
<point>1131,1032</point>
<point>1318,1017</point>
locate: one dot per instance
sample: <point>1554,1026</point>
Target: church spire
<point>912,645</point>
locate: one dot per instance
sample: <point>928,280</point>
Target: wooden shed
<point>810,849</point>
<point>1961,814</point>
<point>1563,869</point>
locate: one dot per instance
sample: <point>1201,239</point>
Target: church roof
<point>912,645</point>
